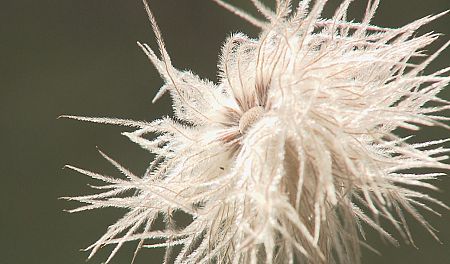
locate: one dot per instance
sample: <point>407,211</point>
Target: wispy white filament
<point>293,151</point>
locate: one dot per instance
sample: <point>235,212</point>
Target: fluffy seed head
<point>293,151</point>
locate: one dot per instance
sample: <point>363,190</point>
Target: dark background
<point>80,57</point>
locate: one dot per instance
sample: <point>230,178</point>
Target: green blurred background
<point>80,57</point>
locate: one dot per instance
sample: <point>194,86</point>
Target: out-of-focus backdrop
<point>80,57</point>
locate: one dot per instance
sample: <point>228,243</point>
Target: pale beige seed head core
<point>248,118</point>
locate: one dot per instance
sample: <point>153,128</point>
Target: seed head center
<point>248,118</point>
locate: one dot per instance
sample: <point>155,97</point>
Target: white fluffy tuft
<point>292,151</point>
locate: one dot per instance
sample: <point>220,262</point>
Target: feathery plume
<point>293,151</point>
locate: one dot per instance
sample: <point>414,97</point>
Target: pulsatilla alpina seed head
<point>293,151</point>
